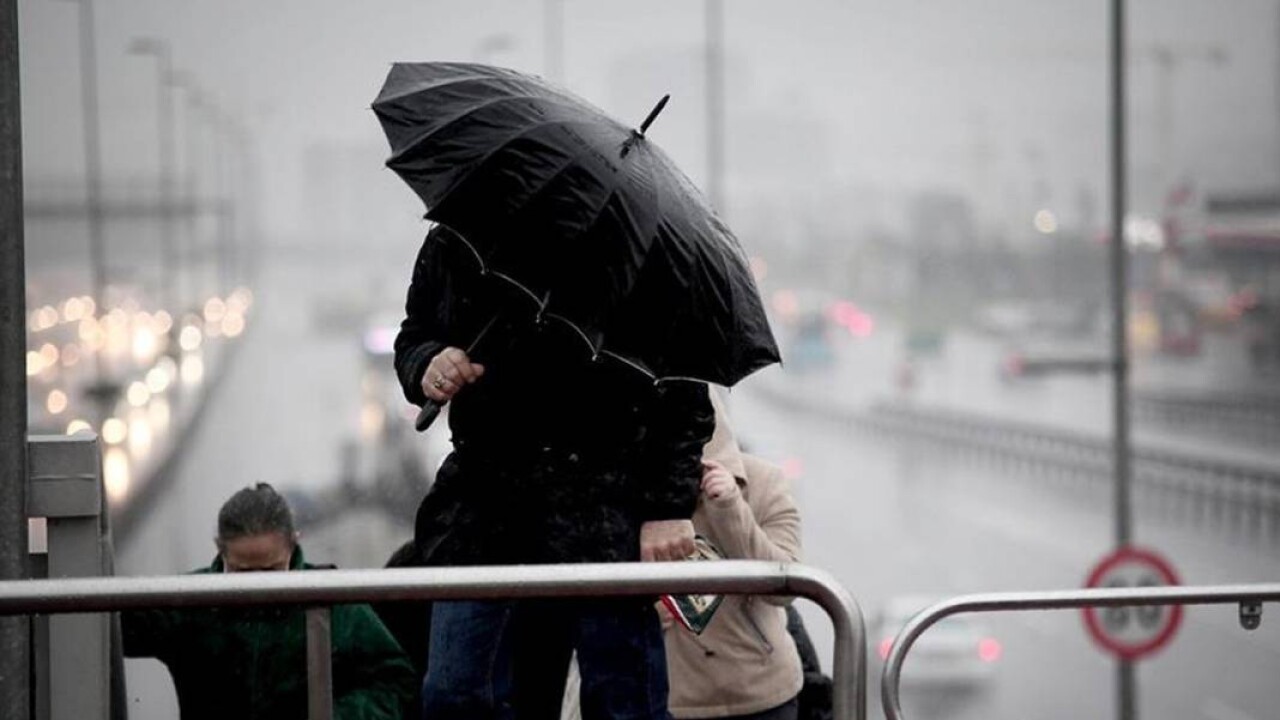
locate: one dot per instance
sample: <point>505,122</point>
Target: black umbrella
<point>583,214</point>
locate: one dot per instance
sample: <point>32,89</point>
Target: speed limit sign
<point>1132,632</point>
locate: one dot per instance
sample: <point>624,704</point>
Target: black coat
<point>558,458</point>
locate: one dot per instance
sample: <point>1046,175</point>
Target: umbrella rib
<point>532,295</point>
<point>485,269</point>
<point>630,362</point>
<point>656,380</point>
<point>595,352</point>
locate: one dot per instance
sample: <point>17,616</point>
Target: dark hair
<point>254,511</point>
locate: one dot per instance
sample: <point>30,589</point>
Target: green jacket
<point>252,662</point>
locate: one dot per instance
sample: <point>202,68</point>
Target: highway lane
<point>892,516</point>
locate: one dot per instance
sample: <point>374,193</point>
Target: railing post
<point>319,664</point>
<point>65,488</point>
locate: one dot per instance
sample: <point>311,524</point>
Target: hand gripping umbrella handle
<point>431,408</point>
<point>427,415</point>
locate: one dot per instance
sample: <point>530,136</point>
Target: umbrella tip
<point>654,113</point>
<point>637,135</point>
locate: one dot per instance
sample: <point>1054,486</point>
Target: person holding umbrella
<point>568,304</point>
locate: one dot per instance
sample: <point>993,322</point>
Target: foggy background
<point>922,187</point>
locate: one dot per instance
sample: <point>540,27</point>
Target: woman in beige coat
<point>744,664</point>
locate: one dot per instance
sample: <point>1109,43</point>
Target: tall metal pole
<point>553,39</point>
<point>15,647</point>
<point>1126,692</point>
<point>222,203</point>
<point>190,251</point>
<point>93,184</point>
<point>165,179</point>
<point>715,103</point>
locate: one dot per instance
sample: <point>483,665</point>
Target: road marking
<point>1215,709</point>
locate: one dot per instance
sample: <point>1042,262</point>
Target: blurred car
<point>810,343</point>
<point>958,653</point>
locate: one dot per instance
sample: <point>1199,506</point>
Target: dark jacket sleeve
<point>148,633</point>
<point>421,334</point>
<point>680,425</point>
<point>373,679</point>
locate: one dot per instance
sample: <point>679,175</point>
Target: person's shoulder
<point>762,473</point>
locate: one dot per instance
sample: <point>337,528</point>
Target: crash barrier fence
<point>1248,597</point>
<point>1239,494</point>
<point>1230,414</point>
<point>319,589</point>
<point>1215,482</point>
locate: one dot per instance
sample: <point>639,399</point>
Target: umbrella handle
<point>427,415</point>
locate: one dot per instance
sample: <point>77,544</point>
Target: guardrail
<point>1250,598</point>
<point>328,587</point>
<point>1216,491</point>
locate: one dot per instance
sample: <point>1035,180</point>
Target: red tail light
<point>1015,365</point>
<point>989,650</point>
<point>885,646</point>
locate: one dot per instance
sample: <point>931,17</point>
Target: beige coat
<point>745,661</point>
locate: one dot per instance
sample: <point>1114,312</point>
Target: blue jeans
<point>508,659</point>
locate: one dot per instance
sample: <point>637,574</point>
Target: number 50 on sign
<point>1132,632</point>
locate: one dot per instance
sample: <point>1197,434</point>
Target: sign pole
<point>1126,681</point>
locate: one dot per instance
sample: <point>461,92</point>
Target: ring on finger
<point>439,382</point>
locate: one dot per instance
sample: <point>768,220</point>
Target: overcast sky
<point>1001,99</point>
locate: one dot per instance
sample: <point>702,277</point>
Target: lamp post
<point>224,204</point>
<point>1126,680</point>
<point>195,104</point>
<point>102,392</point>
<point>159,50</point>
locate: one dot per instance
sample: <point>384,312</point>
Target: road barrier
<point>1249,597</point>
<point>319,589</point>
<point>1227,492</point>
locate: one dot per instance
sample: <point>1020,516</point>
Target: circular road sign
<point>1132,632</point>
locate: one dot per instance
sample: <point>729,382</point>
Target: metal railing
<point>329,587</point>
<point>890,682</point>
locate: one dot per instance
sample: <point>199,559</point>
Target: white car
<point>957,653</point>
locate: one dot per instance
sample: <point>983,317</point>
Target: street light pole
<point>93,188</point>
<point>223,205</point>
<point>193,247</point>
<point>15,647</point>
<point>159,49</point>
<point>1126,693</point>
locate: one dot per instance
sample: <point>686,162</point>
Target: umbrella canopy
<point>591,220</point>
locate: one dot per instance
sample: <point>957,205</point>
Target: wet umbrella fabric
<point>591,220</point>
